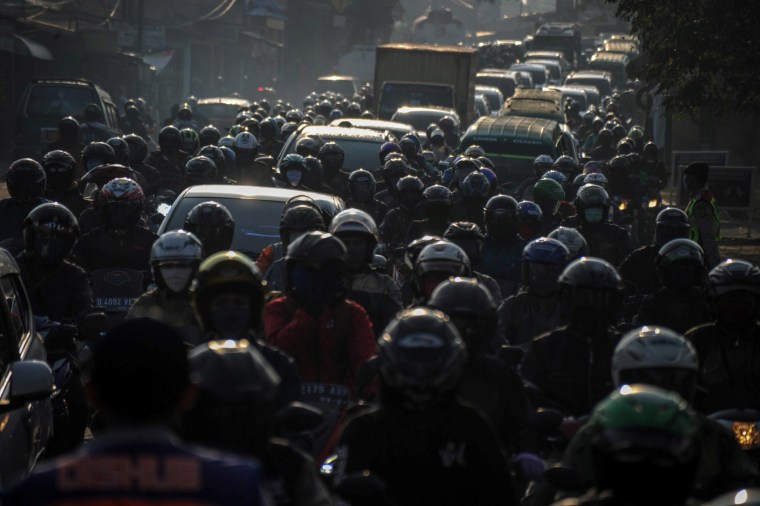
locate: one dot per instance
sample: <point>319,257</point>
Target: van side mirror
<point>31,380</point>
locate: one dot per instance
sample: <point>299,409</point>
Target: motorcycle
<point>114,290</point>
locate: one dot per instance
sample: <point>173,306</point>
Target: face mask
<point>294,177</point>
<point>230,314</point>
<point>176,278</point>
<point>59,179</point>
<point>593,215</point>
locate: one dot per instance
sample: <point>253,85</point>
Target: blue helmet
<point>528,209</point>
<point>544,161</point>
<point>556,175</point>
<point>546,251</point>
<point>596,178</point>
<point>476,184</point>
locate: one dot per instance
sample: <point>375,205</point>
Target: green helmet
<point>189,142</point>
<point>548,189</point>
<point>643,417</point>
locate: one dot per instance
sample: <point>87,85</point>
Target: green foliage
<point>703,53</point>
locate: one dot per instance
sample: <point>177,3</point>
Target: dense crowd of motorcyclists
<point>467,341</point>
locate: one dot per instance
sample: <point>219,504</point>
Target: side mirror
<point>298,417</point>
<point>93,326</point>
<point>429,156</point>
<point>31,380</point>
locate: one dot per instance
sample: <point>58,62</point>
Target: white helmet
<point>442,256</point>
<point>571,238</point>
<point>354,221</point>
<point>227,141</point>
<point>177,246</point>
<point>246,141</point>
<point>652,347</point>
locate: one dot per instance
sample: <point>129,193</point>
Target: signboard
<point>731,186</point>
<point>684,158</point>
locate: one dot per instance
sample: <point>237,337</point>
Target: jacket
<point>330,348</point>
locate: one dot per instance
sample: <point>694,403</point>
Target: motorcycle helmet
<point>245,146</point>
<point>121,203</point>
<point>501,219</point>
<point>60,169</point>
<point>595,178</point>
<point>361,186</point>
<point>733,287</point>
<point>50,232</point>
<point>138,149</point>
<point>420,359</point>
<point>467,236</point>
<point>566,165</point>
<point>656,356</point>
<point>591,295</point>
<point>292,169</point>
<point>409,192</point>
<point>387,148</point>
<point>681,265</point>
<point>542,164</point>
<point>189,141</point>
<point>315,264</point>
<point>96,154</point>
<point>223,273</point>
<point>413,249</point>
<point>68,127</point>
<point>332,156</point>
<point>592,167</point>
<point>213,224</point>
<point>474,151</point>
<point>200,170</point>
<point>120,149</point>
<point>307,146</point>
<point>209,135</point>
<point>436,263</point>
<point>437,202</point>
<point>237,396</point>
<point>169,140</point>
<point>671,223</point>
<point>298,220</point>
<point>26,181</point>
<point>543,260</point>
<point>475,186</point>
<point>174,260</point>
<point>359,234</point>
<point>471,308</point>
<point>555,175</point>
<point>548,193</point>
<point>216,155</point>
<point>592,202</point>
<point>573,241</point>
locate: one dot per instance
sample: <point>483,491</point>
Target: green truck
<point>421,75</point>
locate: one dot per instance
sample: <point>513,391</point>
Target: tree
<point>702,53</point>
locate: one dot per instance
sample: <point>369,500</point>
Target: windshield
<point>359,154</point>
<point>59,100</point>
<point>493,101</point>
<point>257,222</point>
<point>506,85</point>
<point>538,74</point>
<point>419,120</point>
<point>344,87</point>
<point>219,111</point>
<point>395,95</point>
<point>604,87</point>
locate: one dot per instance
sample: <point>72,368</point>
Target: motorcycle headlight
<point>652,203</point>
<point>623,205</point>
<point>746,434</point>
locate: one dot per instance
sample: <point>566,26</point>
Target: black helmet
<point>68,127</point>
<point>437,193</point>
<point>50,232</point>
<point>565,164</point>
<point>223,272</point>
<point>409,191</point>
<point>420,359</point>
<point>236,401</point>
<point>216,155</point>
<point>60,168</point>
<point>120,150</point>
<point>672,223</point>
<point>395,169</point>
<point>650,152</point>
<point>138,148</point>
<point>591,196</point>
<point>297,220</point>
<point>213,224</point>
<point>681,264</point>
<point>26,181</point>
<point>332,156</point>
<point>413,249</point>
<point>469,237</point>
<point>447,124</point>
<point>200,170</point>
<point>591,292</point>
<point>475,186</point>
<point>734,276</point>
<point>471,308</point>
<point>605,137</point>
<point>620,164</point>
<point>96,154</point>
<point>307,146</point>
<point>169,139</point>
<point>315,265</point>
<point>361,186</point>
<point>93,112</point>
<point>501,217</point>
<point>209,135</point>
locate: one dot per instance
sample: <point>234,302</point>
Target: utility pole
<point>140,30</point>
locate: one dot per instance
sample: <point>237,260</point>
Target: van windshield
<point>505,84</point>
<point>395,95</point>
<point>58,101</point>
